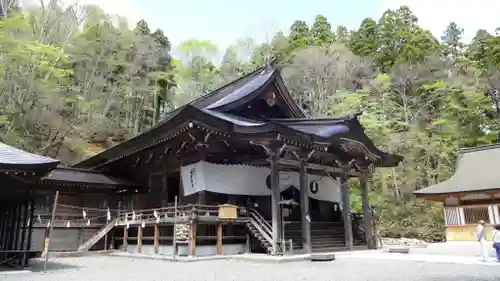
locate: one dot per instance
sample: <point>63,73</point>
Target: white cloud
<point>435,15</point>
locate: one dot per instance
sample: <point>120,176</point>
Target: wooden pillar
<point>3,214</point>
<point>275,197</point>
<point>248,248</point>
<point>25,219</point>
<point>164,201</point>
<point>15,242</point>
<point>155,241</point>
<point>367,213</point>
<point>304,206</point>
<point>219,239</point>
<point>30,227</point>
<point>192,240</point>
<point>202,197</point>
<point>125,238</point>
<point>346,210</point>
<point>139,239</point>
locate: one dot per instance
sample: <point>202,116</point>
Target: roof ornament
<point>271,99</point>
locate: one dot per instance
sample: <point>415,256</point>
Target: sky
<point>224,21</point>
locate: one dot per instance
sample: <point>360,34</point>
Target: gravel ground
<point>454,248</point>
<point>128,269</point>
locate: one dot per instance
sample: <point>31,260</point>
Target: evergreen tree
<point>341,35</point>
<point>364,41</point>
<point>321,31</point>
<point>300,36</point>
<point>451,39</point>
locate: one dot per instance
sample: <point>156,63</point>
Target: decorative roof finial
<point>272,62</point>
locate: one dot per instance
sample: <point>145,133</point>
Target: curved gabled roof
<point>346,130</point>
<point>212,110</point>
<point>13,159</point>
<point>338,130</point>
<point>477,171</point>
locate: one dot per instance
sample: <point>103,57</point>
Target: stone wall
<point>403,242</point>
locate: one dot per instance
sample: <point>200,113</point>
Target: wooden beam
<point>346,217</point>
<point>125,238</point>
<point>155,241</point>
<point>311,166</point>
<point>139,239</point>
<point>192,240</point>
<point>367,212</point>
<point>219,239</point>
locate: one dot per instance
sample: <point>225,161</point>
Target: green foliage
<point>89,79</point>
<point>321,31</point>
<point>415,218</point>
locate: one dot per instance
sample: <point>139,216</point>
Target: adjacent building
<point>471,194</point>
<point>239,169</point>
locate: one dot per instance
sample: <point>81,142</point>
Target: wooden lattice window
<point>452,216</point>
<point>474,214</point>
<point>496,213</point>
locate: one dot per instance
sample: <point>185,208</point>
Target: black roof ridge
<point>323,119</point>
<point>80,170</point>
<point>211,93</point>
<point>207,95</point>
<point>479,148</point>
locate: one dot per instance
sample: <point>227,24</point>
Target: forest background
<point>76,80</point>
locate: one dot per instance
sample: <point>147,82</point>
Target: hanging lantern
<point>155,214</point>
<point>88,222</point>
<point>108,215</point>
<point>84,214</point>
<point>68,224</point>
<point>143,224</point>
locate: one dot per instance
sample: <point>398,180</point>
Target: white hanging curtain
<point>249,180</point>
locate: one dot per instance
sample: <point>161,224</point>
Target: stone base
<point>322,257</point>
<point>399,250</point>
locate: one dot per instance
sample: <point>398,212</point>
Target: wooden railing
<point>172,213</point>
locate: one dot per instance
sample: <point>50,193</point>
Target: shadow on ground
<point>37,266</point>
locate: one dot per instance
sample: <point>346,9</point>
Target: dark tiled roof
<point>211,110</point>
<point>240,87</point>
<point>238,91</point>
<point>12,158</point>
<point>72,176</point>
<point>338,130</point>
<point>235,120</point>
<point>477,171</point>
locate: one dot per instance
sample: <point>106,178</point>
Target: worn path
<point>108,268</point>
